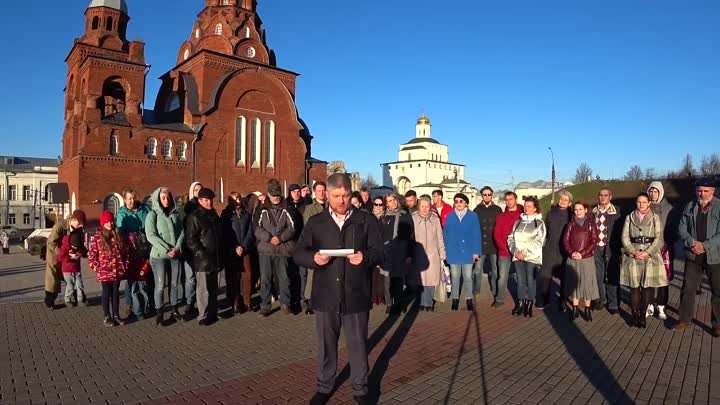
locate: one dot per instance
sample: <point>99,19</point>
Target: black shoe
<point>49,300</point>
<point>204,322</point>
<point>530,308</point>
<point>421,308</point>
<point>469,304</point>
<point>612,311</point>
<point>320,399</point>
<point>518,309</point>
<point>574,313</point>
<point>159,319</point>
<point>525,308</point>
<point>455,305</point>
<point>597,306</point>
<point>264,312</point>
<point>588,314</point>
<point>176,315</point>
<point>641,321</point>
<point>561,306</point>
<point>362,400</point>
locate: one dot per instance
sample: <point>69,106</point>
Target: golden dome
<point>423,120</point>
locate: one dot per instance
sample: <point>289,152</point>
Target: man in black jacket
<point>203,237</point>
<point>341,293</point>
<point>487,212</point>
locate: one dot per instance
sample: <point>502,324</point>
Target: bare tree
<point>635,173</point>
<point>369,182</point>
<point>583,173</point>
<point>687,169</point>
<point>710,165</point>
<point>650,174</point>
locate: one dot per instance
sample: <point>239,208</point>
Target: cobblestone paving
<point>66,356</point>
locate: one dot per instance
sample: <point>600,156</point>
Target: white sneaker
<point>650,311</point>
<point>661,312</point>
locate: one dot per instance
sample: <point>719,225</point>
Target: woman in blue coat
<point>463,244</point>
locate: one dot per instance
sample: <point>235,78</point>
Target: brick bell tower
<point>104,92</point>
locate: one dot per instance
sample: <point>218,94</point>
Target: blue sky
<point>612,83</point>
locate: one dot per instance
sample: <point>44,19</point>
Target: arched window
<point>409,156</point>
<point>186,54</point>
<point>218,29</point>
<point>96,22</point>
<point>151,148</point>
<point>113,97</point>
<point>197,32</point>
<point>112,203</point>
<point>255,129</point>
<point>181,151</point>
<point>167,149</point>
<point>114,143</point>
<point>270,144</point>
<point>109,24</point>
<point>240,140</point>
<point>226,2</point>
<point>247,32</point>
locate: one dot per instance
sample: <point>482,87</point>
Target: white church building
<point>423,165</point>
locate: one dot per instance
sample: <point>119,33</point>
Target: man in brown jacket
<point>53,272</point>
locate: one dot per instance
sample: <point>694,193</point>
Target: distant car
<point>11,232</point>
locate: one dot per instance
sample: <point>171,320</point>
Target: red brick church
<point>225,115</point>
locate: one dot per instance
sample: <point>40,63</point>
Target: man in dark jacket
<point>608,219</point>
<point>341,293</point>
<point>487,212</point>
<point>276,236</point>
<point>203,237</point>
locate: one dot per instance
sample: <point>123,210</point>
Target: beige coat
<point>430,248</point>
<point>53,274</point>
<point>643,273</point>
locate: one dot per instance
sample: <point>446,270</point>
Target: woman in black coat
<point>239,242</point>
<point>554,256</point>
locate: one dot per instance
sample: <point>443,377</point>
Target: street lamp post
<point>552,195</point>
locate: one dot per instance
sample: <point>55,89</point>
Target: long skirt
<point>581,279</point>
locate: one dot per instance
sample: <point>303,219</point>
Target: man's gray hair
<point>339,180</point>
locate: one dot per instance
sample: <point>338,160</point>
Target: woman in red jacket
<point>579,242</point>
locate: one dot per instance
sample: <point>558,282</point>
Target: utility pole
<point>552,186</point>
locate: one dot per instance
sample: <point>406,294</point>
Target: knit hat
<point>462,196</point>
<point>705,182</point>
<point>206,193</point>
<point>274,188</point>
<point>79,215</point>
<point>293,187</point>
<point>106,217</point>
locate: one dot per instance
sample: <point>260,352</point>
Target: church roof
<point>116,4</point>
<point>413,147</point>
<point>421,140</point>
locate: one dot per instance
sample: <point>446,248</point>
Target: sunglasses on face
<point>378,204</point>
<point>487,195</point>
<point>459,201</point>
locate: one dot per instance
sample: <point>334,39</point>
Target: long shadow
<point>473,318</point>
<point>10,293</point>
<point>588,360</point>
<point>391,348</point>
<point>13,272</point>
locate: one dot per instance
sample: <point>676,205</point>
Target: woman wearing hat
<point>53,275</point>
<point>463,246</point>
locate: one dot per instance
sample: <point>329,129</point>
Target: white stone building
<point>23,187</point>
<point>423,165</point>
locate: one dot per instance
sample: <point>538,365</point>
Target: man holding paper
<point>342,246</point>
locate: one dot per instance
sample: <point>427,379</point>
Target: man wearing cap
<point>700,234</point>
<point>306,194</point>
<point>53,273</point>
<point>276,237</point>
<point>341,294</point>
<point>203,237</point>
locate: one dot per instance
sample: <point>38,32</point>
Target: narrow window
<point>182,150</point>
<point>186,54</point>
<point>95,22</point>
<point>270,144</point>
<point>256,140</point>
<point>197,32</point>
<point>240,140</point>
<point>151,148</point>
<point>218,29</point>
<point>114,143</point>
<point>109,24</point>
<point>26,219</point>
<point>167,149</point>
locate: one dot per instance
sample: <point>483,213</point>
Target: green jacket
<point>132,221</point>
<point>313,209</point>
<point>163,231</point>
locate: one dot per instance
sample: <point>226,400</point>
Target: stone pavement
<point>487,357</point>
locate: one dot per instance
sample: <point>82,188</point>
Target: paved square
<point>66,356</point>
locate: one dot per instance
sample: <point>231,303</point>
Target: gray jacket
<point>275,220</point>
<point>688,230</point>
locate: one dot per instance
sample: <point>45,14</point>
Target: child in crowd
<point>108,257</point>
<point>72,248</point>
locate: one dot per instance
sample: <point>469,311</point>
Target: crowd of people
<point>304,250</point>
